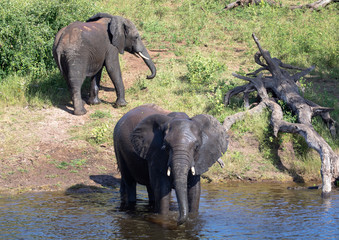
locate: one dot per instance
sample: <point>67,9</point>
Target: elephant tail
<point>59,63</point>
<point>57,50</point>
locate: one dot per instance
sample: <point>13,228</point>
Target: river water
<point>232,211</point>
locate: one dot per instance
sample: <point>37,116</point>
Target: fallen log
<point>314,6</point>
<point>246,3</point>
<point>283,86</point>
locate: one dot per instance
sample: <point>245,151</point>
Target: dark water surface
<point>238,211</point>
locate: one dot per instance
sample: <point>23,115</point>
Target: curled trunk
<point>148,60</point>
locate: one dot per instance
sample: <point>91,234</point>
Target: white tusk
<point>142,55</point>
<point>136,54</point>
<point>222,164</point>
<point>169,171</point>
<point>193,171</point>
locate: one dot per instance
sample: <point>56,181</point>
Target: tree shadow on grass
<point>278,163</point>
<point>53,89</point>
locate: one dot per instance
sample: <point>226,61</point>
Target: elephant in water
<point>165,150</point>
<point>82,49</point>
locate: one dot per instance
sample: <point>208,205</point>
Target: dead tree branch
<point>246,3</point>
<point>314,6</point>
<point>283,86</point>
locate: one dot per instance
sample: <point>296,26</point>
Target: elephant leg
<point>128,193</point>
<point>94,91</point>
<point>113,69</point>
<point>150,195</point>
<point>75,85</point>
<point>194,190</point>
<point>162,195</point>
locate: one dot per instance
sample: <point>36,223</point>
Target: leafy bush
<point>203,71</point>
<point>99,133</point>
<point>27,30</point>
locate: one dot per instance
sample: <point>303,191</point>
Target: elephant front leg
<point>113,69</point>
<point>162,194</point>
<point>128,194</point>
<point>194,190</point>
<point>94,91</point>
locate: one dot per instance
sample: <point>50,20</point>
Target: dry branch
<point>283,86</point>
<point>314,6</point>
<point>246,3</point>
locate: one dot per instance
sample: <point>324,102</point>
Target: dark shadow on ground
<point>106,180</point>
<point>107,183</point>
<point>51,89</point>
<point>107,89</point>
<point>54,89</point>
<point>280,165</point>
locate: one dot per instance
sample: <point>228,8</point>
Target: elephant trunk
<point>147,59</point>
<point>180,173</point>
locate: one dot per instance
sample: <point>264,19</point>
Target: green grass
<point>206,45</point>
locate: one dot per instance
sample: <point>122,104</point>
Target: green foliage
<point>62,165</point>
<point>300,146</point>
<point>99,133</point>
<point>192,76</point>
<point>288,115</point>
<point>12,90</point>
<point>27,30</point>
<point>202,71</point>
<point>301,38</point>
<point>100,114</point>
<point>75,163</point>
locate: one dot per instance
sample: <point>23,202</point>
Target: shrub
<point>203,71</point>
<point>27,30</point>
<point>99,133</point>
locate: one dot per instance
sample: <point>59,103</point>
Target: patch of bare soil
<point>37,151</point>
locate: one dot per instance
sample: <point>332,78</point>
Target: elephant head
<point>187,146</point>
<point>125,37</point>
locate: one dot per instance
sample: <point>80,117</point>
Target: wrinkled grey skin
<point>149,141</point>
<point>82,49</point>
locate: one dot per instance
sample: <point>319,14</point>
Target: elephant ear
<point>147,136</point>
<point>117,29</point>
<point>214,142</point>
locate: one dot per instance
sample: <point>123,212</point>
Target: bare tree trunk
<point>284,87</point>
<point>316,5</point>
<point>246,3</point>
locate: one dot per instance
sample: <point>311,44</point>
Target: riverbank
<point>51,149</point>
<point>196,46</point>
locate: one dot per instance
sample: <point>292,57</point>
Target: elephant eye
<point>196,147</point>
<point>164,146</point>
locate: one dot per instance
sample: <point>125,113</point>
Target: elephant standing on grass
<point>82,49</point>
<point>165,150</point>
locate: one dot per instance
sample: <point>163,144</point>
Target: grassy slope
<point>191,30</point>
<point>201,27</point>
